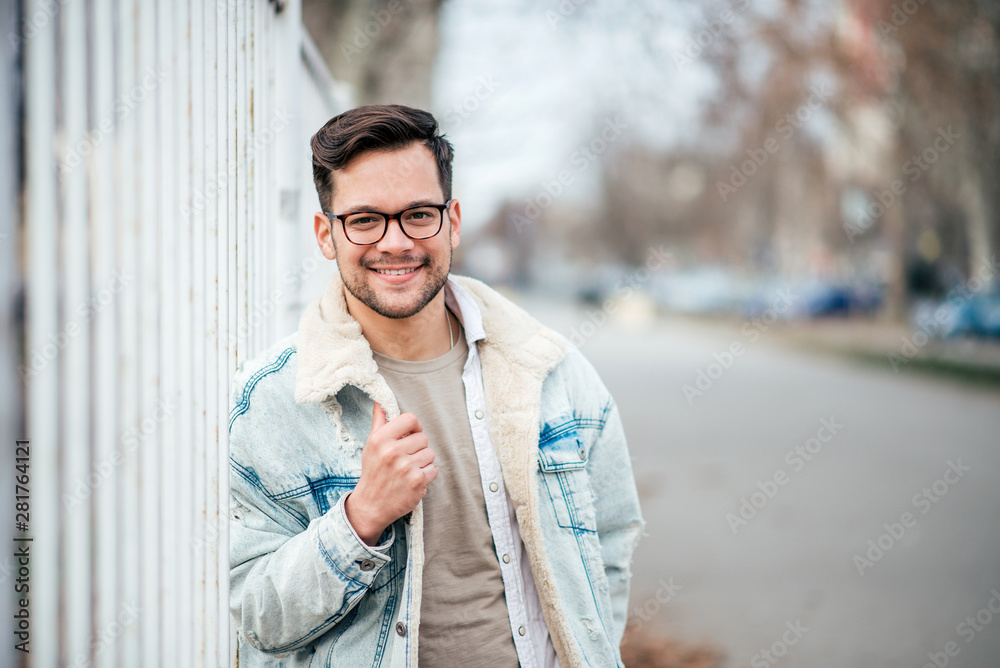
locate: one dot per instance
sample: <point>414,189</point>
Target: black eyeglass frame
<point>387,219</point>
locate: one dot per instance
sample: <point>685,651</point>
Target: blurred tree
<point>949,78</point>
<point>384,48</point>
<point>916,109</point>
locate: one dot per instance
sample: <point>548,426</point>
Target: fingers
<point>399,427</point>
<point>405,423</point>
<point>378,416</point>
<point>430,472</point>
<point>422,457</point>
<point>413,443</point>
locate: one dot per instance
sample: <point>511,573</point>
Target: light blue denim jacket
<point>307,591</point>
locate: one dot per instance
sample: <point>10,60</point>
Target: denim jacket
<point>305,590</point>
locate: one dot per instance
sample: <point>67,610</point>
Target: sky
<point>519,87</point>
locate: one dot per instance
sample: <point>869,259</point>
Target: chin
<point>396,303</point>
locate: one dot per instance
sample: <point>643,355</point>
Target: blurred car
<point>821,298</point>
<point>972,316</point>
<point>705,290</point>
<point>811,298</point>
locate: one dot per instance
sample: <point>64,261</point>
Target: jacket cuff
<point>344,550</point>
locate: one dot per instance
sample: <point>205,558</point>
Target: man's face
<point>390,181</point>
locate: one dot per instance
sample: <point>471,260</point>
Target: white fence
<point>165,167</point>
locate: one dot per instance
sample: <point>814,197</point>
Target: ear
<point>324,237</point>
<point>455,214</point>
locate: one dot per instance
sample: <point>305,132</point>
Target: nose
<point>394,240</point>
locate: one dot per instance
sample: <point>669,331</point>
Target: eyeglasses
<point>368,227</point>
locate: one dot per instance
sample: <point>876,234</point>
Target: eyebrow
<point>362,208</point>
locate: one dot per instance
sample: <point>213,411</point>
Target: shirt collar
<point>464,307</point>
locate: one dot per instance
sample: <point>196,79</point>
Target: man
<point>423,475</point>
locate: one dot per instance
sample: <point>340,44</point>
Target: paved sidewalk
<point>896,346</point>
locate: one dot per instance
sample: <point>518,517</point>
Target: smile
<point>396,272</point>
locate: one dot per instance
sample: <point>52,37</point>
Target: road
<point>828,455</point>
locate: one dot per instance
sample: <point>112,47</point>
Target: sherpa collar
<point>333,352</point>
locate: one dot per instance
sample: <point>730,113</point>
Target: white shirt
<point>531,634</point>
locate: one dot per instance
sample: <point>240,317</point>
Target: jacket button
<point>400,629</point>
<point>582,452</point>
<point>506,558</point>
<point>479,415</point>
<point>494,487</point>
<point>521,631</point>
<point>367,565</point>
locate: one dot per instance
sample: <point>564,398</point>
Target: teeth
<point>395,272</point>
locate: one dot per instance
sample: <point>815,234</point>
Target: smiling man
<point>423,475</point>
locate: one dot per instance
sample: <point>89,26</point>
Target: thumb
<point>378,416</point>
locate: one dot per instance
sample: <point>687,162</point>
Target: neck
<point>422,336</point>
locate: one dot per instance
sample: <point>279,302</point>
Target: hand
<point>396,467</point>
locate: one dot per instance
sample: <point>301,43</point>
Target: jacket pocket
<point>562,464</point>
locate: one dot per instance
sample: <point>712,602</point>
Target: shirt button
<point>521,631</point>
<point>479,415</point>
<point>367,565</point>
<point>506,558</point>
<point>494,487</point>
<point>401,629</point>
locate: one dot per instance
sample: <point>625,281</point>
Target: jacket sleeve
<point>287,589</point>
<point>290,582</point>
<point>619,517</point>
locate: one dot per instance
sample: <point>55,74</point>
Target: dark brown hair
<point>375,127</point>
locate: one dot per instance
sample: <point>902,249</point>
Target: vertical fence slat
<point>203,254</point>
<point>190,322</point>
<point>171,55</point>
<point>147,89</point>
<point>241,231</point>
<point>108,451</point>
<point>127,157</point>
<point>12,370</point>
<point>43,321</point>
<point>74,441</point>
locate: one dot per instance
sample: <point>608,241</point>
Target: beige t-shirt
<point>463,612</point>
